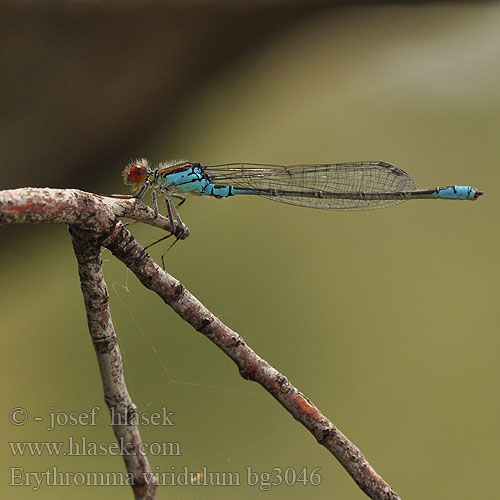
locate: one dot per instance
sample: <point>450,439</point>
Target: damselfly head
<point>136,173</point>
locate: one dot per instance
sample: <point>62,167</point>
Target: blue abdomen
<point>457,193</point>
<point>224,191</point>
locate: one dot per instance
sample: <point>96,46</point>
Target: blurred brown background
<point>85,80</point>
<point>385,319</point>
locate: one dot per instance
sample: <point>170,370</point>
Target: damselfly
<point>340,186</point>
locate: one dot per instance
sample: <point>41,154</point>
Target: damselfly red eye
<point>133,174</point>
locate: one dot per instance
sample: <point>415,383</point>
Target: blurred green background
<point>385,319</point>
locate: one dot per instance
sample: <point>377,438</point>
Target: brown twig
<point>95,294</point>
<point>94,223</point>
<point>251,366</point>
<point>72,206</point>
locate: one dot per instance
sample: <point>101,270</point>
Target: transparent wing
<point>337,186</point>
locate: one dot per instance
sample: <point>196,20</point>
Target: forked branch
<point>94,222</point>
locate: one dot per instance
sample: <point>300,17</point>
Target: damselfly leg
<point>178,227</point>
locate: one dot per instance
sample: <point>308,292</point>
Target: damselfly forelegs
<point>141,177</point>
